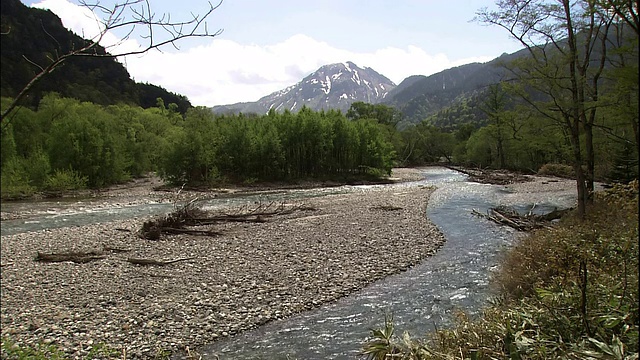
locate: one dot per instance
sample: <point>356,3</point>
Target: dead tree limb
<point>175,231</point>
<point>146,262</point>
<point>528,222</point>
<point>76,257</point>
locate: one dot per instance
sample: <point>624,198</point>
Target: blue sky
<point>266,46</point>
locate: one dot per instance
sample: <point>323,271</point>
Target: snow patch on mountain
<point>333,86</point>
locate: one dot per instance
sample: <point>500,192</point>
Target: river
<point>420,299</point>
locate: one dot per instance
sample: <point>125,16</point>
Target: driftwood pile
<point>495,177</point>
<point>182,221</point>
<point>185,218</point>
<point>520,222</point>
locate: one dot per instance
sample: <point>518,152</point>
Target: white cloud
<point>222,71</point>
<point>82,21</point>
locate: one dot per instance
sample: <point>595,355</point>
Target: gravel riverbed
<point>251,274</point>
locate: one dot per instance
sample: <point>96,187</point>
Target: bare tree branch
<point>129,15</point>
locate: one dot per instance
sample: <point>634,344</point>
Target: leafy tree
<point>563,67</point>
<point>427,144</point>
<point>382,113</point>
<point>494,107</point>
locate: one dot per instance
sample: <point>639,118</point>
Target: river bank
<point>152,190</point>
<point>249,275</point>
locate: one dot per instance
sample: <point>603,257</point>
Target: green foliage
<point>383,114</point>
<point>384,344</point>
<point>426,144</point>
<point>65,180</point>
<point>568,292</point>
<point>381,345</point>
<point>463,110</point>
<point>10,350</point>
<point>107,145</point>
<point>559,170</point>
<point>68,145</point>
<point>479,149</point>
<point>15,180</point>
<point>206,150</point>
<point>624,165</point>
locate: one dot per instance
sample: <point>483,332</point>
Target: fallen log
<point>156,262</point>
<point>555,214</point>
<point>487,176</point>
<point>107,248</point>
<point>386,208</point>
<point>76,257</point>
<point>513,219</point>
<point>176,231</point>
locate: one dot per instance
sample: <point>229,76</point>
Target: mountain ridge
<point>39,35</point>
<point>332,86</point>
<point>417,97</point>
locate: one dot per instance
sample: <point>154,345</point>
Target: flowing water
<point>77,212</point>
<point>420,299</point>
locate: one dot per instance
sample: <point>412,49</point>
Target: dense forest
<point>117,129</point>
<point>32,38</point>
<point>67,144</point>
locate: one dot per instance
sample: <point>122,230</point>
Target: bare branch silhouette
<point>128,16</point>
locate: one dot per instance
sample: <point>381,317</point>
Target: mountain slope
<point>424,96</point>
<point>334,86</point>
<point>39,35</point>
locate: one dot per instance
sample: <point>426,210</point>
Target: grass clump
<point>568,292</point>
<point>11,350</point>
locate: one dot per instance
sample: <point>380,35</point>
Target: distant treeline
<point>66,144</point>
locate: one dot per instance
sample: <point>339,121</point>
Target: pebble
<point>252,274</point>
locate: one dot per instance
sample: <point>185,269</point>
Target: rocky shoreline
<point>251,274</point>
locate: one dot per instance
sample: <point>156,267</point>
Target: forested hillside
<point>32,38</point>
<point>421,97</point>
<point>105,131</point>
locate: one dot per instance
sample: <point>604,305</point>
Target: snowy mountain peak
<point>332,86</point>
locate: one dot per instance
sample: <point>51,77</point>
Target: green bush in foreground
<point>570,292</point>
<point>9,349</point>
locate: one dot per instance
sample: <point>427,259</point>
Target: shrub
<point>568,292</point>
<point>66,179</point>
<point>559,170</point>
<point>15,180</point>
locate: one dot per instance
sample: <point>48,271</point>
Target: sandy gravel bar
<point>251,274</point>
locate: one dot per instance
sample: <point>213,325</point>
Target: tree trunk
<point>577,168</point>
<point>573,119</point>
